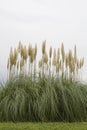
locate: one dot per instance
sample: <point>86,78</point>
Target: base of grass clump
<point>46,99</point>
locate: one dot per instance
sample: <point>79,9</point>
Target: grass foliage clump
<point>46,99</point>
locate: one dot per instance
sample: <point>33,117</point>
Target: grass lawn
<point>43,126</point>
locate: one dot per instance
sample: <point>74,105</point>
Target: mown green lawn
<point>43,126</point>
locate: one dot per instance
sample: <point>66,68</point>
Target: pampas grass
<point>51,92</point>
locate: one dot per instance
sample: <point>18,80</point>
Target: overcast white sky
<point>36,20</point>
